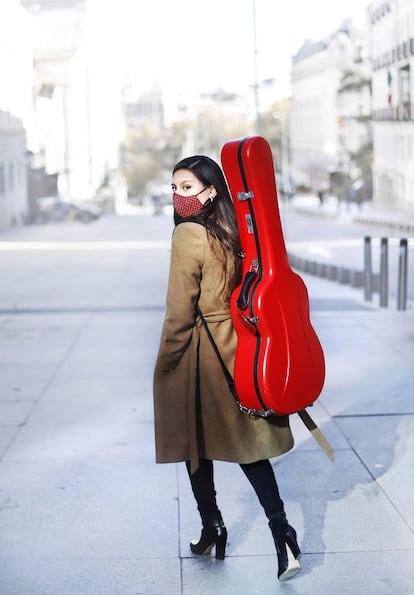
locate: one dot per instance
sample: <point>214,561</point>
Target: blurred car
<point>67,211</point>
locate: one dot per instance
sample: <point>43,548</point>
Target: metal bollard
<point>321,269</point>
<point>383,285</point>
<point>343,275</point>
<point>402,275</point>
<point>332,272</point>
<point>357,278</point>
<point>367,269</point>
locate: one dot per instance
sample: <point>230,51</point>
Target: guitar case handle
<point>243,299</point>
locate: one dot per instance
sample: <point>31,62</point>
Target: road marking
<point>91,246</point>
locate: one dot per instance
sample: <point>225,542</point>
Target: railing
<point>395,113</point>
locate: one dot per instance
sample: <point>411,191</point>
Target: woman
<point>196,418</point>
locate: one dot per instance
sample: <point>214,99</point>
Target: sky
<point>206,44</point>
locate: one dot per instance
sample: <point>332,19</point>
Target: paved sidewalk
<point>83,508</point>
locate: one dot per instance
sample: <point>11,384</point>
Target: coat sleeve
<point>187,257</point>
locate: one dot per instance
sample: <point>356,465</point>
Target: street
<point>84,510</point>
<point>114,246</point>
<point>116,262</point>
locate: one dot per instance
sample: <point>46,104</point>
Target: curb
<point>407,227</point>
<point>331,272</point>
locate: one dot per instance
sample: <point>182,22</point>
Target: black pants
<point>261,476</point>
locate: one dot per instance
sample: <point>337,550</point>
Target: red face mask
<point>187,206</point>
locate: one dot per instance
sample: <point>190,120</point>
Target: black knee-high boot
<point>261,476</point>
<point>213,532</point>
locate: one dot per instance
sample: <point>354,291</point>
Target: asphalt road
<point>56,250</point>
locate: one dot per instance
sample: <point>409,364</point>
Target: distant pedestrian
<point>321,196</point>
<point>196,418</point>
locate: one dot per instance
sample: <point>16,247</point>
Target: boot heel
<point>287,548</point>
<point>221,546</point>
<point>214,533</point>
<point>292,567</point>
<point>294,548</point>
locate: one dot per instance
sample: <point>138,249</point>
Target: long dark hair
<point>217,216</point>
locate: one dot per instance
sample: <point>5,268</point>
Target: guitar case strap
<point>264,413</point>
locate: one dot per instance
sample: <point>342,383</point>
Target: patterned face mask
<point>187,206</point>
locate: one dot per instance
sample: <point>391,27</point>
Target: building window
<point>19,176</point>
<point>405,92</point>
<point>2,180</point>
<point>11,176</point>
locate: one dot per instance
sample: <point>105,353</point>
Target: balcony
<point>395,113</point>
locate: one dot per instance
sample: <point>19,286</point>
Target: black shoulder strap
<point>228,376</point>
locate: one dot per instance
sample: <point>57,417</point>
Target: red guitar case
<point>279,365</point>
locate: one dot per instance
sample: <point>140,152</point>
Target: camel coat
<point>196,416</point>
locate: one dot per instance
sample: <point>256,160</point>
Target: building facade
<point>77,97</point>
<point>15,112</point>
<point>326,108</point>
<point>391,34</point>
<point>14,207</point>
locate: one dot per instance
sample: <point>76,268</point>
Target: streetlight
<point>256,84</point>
<point>280,117</point>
